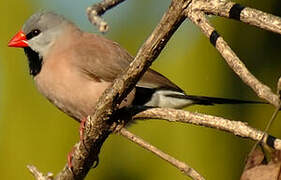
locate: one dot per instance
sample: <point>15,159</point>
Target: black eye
<point>33,33</point>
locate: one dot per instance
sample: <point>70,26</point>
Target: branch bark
<point>263,91</point>
<point>237,128</point>
<point>95,11</point>
<point>247,15</point>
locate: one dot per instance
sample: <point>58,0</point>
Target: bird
<point>72,69</point>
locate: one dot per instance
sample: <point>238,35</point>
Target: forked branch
<point>263,91</point>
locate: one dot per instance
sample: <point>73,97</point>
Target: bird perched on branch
<point>72,68</point>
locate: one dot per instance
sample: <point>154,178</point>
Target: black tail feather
<point>205,100</point>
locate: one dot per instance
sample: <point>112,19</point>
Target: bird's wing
<point>104,59</point>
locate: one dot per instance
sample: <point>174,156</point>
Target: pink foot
<point>81,133</point>
<point>69,159</point>
<point>82,129</point>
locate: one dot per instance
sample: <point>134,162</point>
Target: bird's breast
<point>70,90</point>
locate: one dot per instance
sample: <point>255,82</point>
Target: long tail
<point>176,99</point>
<point>205,100</point>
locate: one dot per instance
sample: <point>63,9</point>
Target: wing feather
<point>105,59</point>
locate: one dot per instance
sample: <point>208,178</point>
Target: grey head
<point>41,30</point>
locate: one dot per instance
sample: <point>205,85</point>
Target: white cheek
<point>40,44</point>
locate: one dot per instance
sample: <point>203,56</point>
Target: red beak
<point>19,40</point>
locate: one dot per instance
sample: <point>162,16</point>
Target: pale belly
<point>72,93</point>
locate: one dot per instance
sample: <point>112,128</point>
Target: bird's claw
<point>69,159</point>
<point>117,126</point>
<point>82,130</point>
<point>81,133</point>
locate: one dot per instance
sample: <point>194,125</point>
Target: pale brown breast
<point>67,86</point>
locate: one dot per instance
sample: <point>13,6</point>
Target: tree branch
<point>231,58</point>
<point>237,128</point>
<point>238,12</point>
<point>183,167</point>
<point>95,11</point>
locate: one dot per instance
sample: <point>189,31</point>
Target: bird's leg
<point>82,130</point>
<point>81,134</point>
<point>69,159</point>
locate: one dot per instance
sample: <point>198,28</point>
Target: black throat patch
<point>34,61</point>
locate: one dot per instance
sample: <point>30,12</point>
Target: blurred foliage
<point>32,131</point>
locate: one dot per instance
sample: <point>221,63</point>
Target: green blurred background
<point>32,131</point>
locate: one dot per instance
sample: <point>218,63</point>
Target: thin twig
<point>38,175</point>
<point>245,14</point>
<point>95,11</point>
<point>279,87</point>
<point>231,58</point>
<point>273,117</point>
<point>183,167</point>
